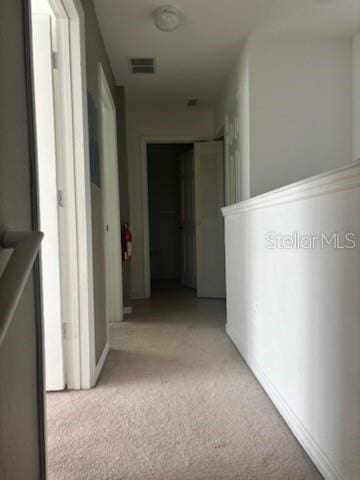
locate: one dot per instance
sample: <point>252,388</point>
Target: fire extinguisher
<point>126,242</point>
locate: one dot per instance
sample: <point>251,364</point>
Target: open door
<point>188,236</point>
<point>209,198</point>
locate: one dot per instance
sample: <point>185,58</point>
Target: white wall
<point>356,97</point>
<point>300,334</point>
<point>295,108</point>
<point>197,125</point>
<point>300,109</point>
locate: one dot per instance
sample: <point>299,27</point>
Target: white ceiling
<point>194,61</point>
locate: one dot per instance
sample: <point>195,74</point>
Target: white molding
<point>58,8</point>
<point>341,179</point>
<point>144,140</point>
<point>101,363</point>
<point>68,215</point>
<point>227,171</point>
<point>83,332</point>
<point>145,219</point>
<point>323,463</point>
<point>50,159</point>
<point>106,97</point>
<point>128,310</point>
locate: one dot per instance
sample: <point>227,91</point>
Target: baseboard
<point>101,362</point>
<point>128,310</point>
<point>320,459</point>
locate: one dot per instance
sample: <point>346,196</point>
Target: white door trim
<point>106,97</point>
<point>46,119</point>
<point>144,141</point>
<point>80,337</point>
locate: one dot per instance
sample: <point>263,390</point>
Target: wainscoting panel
<point>293,309</point>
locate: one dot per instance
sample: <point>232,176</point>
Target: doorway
<point>200,249</point>
<point>58,71</point>
<point>170,203</point>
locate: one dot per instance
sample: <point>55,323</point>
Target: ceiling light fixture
<point>167,18</point>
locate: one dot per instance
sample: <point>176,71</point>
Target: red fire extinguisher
<point>126,242</point>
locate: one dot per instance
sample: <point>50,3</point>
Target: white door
<point>209,198</point>
<point>111,199</point>
<point>45,116</point>
<point>188,237</point>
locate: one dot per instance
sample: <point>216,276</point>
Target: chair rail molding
<point>343,178</point>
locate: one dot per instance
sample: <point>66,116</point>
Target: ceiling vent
<point>192,102</point>
<point>141,65</point>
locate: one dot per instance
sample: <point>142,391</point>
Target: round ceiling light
<point>167,18</point>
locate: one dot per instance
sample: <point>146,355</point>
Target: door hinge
<point>55,60</point>
<point>60,198</point>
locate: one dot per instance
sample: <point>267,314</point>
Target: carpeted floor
<point>175,402</point>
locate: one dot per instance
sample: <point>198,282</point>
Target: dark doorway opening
<point>166,211</point>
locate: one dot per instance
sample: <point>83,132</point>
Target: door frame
<point>49,131</point>
<point>185,159</point>
<point>79,343</point>
<point>106,98</point>
<point>144,141</point>
<point>204,223</point>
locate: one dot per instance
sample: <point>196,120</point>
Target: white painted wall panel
<point>356,97</point>
<point>295,314</point>
<point>300,108</point>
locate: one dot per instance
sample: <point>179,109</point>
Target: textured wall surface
<point>123,182</point>
<point>19,401</point>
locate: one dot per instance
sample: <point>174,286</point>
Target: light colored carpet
<point>175,402</point>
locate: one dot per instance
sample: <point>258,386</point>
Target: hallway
<point>175,401</point>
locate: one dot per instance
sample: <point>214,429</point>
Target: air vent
<point>192,102</point>
<point>141,65</point>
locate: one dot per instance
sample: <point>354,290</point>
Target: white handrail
<point>13,280</point>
